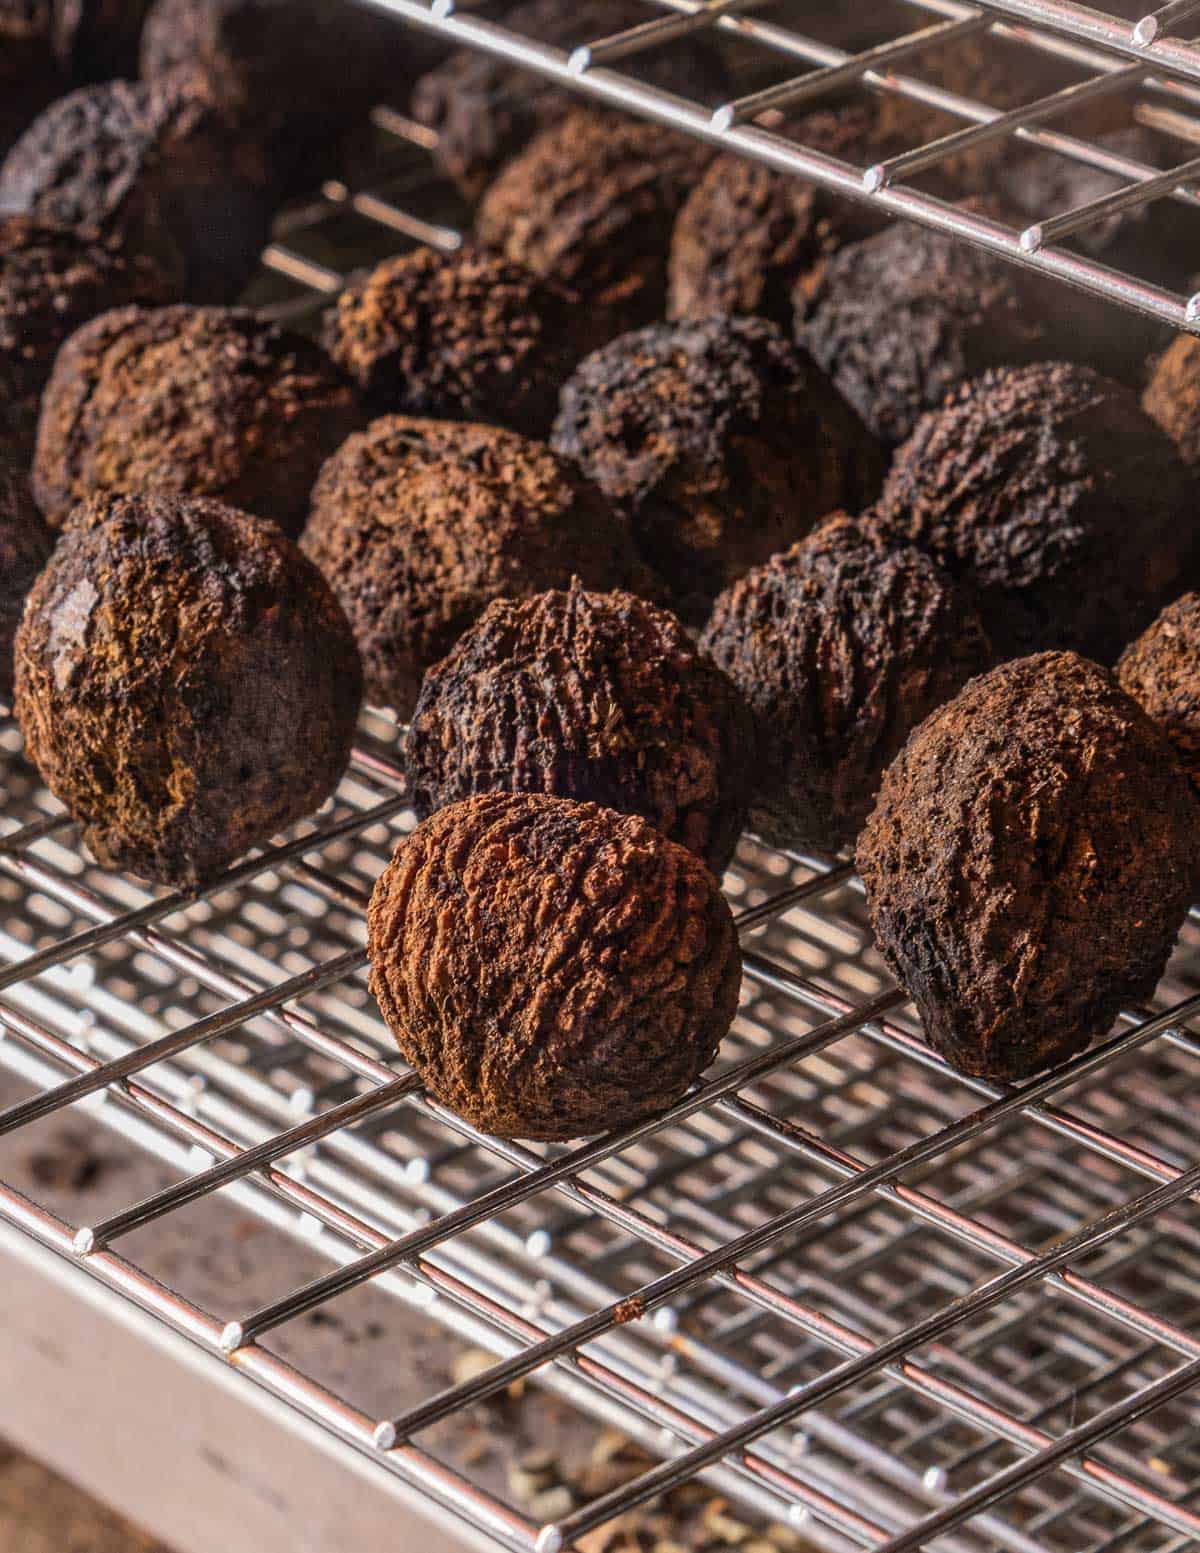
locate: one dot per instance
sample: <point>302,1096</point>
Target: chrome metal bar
<point>1055,227</point>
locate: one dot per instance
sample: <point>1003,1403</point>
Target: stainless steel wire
<point>837,1280</point>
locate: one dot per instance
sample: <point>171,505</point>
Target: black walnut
<point>1029,863</point>
<point>840,646</point>
<point>1048,491</point>
<point>418,525</point>
<point>25,546</point>
<point>186,683</point>
<point>901,318</point>
<point>1161,671</point>
<point>156,165</point>
<point>52,280</point>
<point>468,336</point>
<point>591,203</point>
<point>723,442</point>
<point>485,110</point>
<point>551,969</point>
<point>214,401</point>
<point>601,697</point>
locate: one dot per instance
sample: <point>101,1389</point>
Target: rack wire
<point>862,1295</point>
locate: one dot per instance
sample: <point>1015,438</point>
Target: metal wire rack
<point>862,1295</point>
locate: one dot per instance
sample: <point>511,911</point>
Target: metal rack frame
<point>1145,55</point>
<point>836,1280</point>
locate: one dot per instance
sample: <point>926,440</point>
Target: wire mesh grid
<point>885,1304</point>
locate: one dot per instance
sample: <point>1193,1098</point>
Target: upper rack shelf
<point>1141,58</point>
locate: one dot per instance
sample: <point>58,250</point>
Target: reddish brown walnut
<point>209,401</point>
<point>1161,671</point>
<point>551,969</point>
<point>419,525</point>
<point>596,696</point>
<point>186,683</point>
<point>1029,863</point>
<point>591,203</point>
<point>464,337</point>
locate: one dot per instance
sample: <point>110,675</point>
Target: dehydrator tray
<point>859,1296</point>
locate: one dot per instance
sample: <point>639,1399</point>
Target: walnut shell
<point>155,165</point>
<point>485,110</point>
<point>1029,863</point>
<point>722,441</point>
<point>903,317</point>
<point>595,696</point>
<point>550,968</point>
<point>52,280</point>
<point>468,336</point>
<point>591,203</point>
<point>186,683</point>
<point>25,546</point>
<point>1063,506</point>
<point>1161,671</point>
<point>1172,397</point>
<point>213,401</point>
<point>418,525</point>
<point>840,646</point>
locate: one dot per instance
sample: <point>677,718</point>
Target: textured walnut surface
<point>1172,396</point>
<point>901,318</point>
<point>1029,863</point>
<point>551,968</point>
<point>186,683</point>
<point>1161,671</point>
<point>1050,492</point>
<point>467,336</point>
<point>419,525</point>
<point>51,281</point>
<point>721,439</point>
<point>294,73</point>
<point>840,646</point>
<point>25,545</point>
<point>155,164</point>
<point>592,202</point>
<point>485,111</point>
<point>215,401</point>
<point>747,234</point>
<point>596,696</point>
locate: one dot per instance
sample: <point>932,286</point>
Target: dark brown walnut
<point>418,525</point>
<point>1029,863</point>
<point>591,202</point>
<point>52,280</point>
<point>1161,671</point>
<point>840,646</point>
<point>29,72</point>
<point>155,165</point>
<point>293,73</point>
<point>485,111</point>
<point>25,546</point>
<point>595,696</point>
<point>186,683</point>
<point>1172,396</point>
<point>722,441</point>
<point>747,234</point>
<point>901,318</point>
<point>1157,239</point>
<point>214,401</point>
<point>1056,499</point>
<point>467,336</point>
<point>550,968</point>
